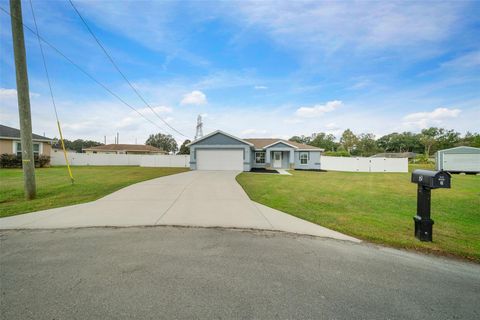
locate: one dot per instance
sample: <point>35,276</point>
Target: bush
<point>42,161</point>
<point>10,161</point>
<point>15,161</point>
<point>337,154</point>
<point>422,159</point>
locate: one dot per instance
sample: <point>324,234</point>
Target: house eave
<point>280,141</point>
<point>33,139</point>
<point>221,132</point>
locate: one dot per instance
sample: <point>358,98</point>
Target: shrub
<point>42,161</point>
<point>15,161</point>
<point>10,161</point>
<point>422,159</point>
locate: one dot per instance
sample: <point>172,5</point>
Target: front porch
<point>279,159</point>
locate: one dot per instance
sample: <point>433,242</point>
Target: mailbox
<point>427,180</point>
<point>431,179</point>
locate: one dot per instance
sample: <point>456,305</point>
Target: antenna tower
<point>199,132</point>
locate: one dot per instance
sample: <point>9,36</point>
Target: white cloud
<point>333,25</point>
<point>318,110</point>
<point>8,93</point>
<point>469,60</point>
<point>260,87</point>
<point>195,97</point>
<point>425,119</point>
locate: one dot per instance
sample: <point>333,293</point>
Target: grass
<point>55,190</point>
<point>376,207</point>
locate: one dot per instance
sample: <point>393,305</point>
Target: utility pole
<point>28,161</point>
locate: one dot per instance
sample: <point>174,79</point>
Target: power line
<point>51,93</point>
<point>82,70</point>
<point>119,71</point>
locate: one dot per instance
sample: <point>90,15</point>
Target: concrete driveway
<point>194,198</point>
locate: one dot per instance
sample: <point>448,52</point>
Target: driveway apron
<point>194,198</point>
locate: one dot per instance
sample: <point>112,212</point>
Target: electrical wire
<point>119,71</point>
<point>51,95</point>
<point>83,71</point>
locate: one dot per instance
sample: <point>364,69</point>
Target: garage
<point>459,159</point>
<point>219,159</point>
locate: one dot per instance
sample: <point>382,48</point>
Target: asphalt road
<point>169,273</point>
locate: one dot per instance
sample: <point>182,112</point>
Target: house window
<point>259,157</point>
<point>303,157</point>
<point>36,149</point>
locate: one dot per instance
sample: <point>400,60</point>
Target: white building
<point>459,159</point>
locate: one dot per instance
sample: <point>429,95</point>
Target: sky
<point>252,69</point>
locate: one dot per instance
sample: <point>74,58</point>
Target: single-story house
<point>222,151</point>
<point>10,142</point>
<point>458,159</point>
<point>124,149</point>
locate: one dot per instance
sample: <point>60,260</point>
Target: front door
<point>277,159</point>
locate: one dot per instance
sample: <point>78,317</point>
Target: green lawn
<point>55,190</point>
<point>377,207</point>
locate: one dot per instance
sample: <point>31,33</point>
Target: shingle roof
<point>12,133</point>
<point>261,143</point>
<point>125,147</point>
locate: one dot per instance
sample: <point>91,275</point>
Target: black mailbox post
<point>427,180</point>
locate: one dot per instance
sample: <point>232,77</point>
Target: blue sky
<point>253,69</point>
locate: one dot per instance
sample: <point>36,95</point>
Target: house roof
<point>261,143</point>
<point>12,133</point>
<point>220,132</point>
<point>394,155</point>
<point>460,150</point>
<point>125,147</point>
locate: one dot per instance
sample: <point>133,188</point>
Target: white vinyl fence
<point>359,164</point>
<point>96,159</point>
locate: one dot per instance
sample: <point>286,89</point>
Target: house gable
<point>219,138</point>
<point>280,145</point>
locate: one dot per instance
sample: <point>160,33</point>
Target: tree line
<point>427,142</point>
<point>163,141</point>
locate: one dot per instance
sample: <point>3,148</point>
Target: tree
<point>448,139</point>
<point>348,140</point>
<point>470,140</point>
<point>300,139</point>
<point>366,145</point>
<point>400,142</point>
<point>429,137</point>
<point>183,148</point>
<point>325,141</point>
<point>78,145</point>
<point>163,141</point>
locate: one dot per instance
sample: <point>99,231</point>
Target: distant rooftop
<point>12,133</point>
<point>395,155</point>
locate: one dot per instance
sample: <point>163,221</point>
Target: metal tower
<point>199,132</point>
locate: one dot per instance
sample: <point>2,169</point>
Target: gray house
<point>222,151</point>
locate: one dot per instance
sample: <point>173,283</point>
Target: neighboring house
<point>222,151</point>
<point>124,149</point>
<point>459,159</point>
<point>10,142</point>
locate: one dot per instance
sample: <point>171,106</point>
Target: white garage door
<point>220,159</point>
